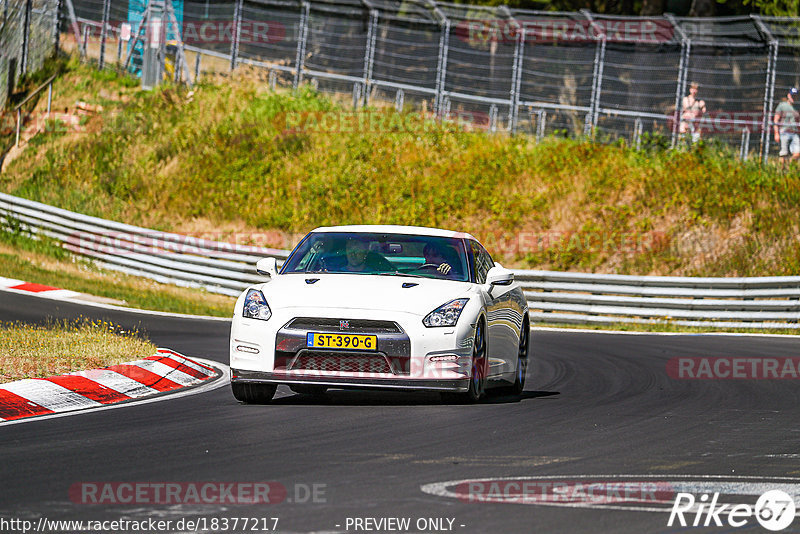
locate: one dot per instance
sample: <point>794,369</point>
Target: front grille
<point>340,362</point>
<point>357,326</point>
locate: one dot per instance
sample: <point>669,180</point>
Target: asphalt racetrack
<point>598,407</point>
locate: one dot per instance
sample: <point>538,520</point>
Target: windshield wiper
<point>398,273</point>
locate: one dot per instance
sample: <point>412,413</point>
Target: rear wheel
<point>309,390</point>
<point>253,393</point>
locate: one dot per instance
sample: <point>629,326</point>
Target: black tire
<point>522,359</point>
<point>253,393</point>
<point>477,382</point>
<point>303,389</point>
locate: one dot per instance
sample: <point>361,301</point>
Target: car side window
<point>483,262</point>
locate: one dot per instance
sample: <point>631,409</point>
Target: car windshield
<point>380,254</point>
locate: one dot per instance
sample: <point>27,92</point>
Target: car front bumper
<point>421,384</point>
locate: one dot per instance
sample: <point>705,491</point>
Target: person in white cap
<point>785,125</point>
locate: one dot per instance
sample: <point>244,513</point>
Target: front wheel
<point>477,382</point>
<point>253,393</point>
<point>522,360</point>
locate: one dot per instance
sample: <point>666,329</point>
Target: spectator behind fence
<point>692,111</point>
<point>785,125</point>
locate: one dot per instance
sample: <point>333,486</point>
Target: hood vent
<point>312,280</point>
<point>406,285</point>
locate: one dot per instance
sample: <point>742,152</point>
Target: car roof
<point>395,229</point>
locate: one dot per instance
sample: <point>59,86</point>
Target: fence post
<point>680,89</point>
<point>516,77</point>
<point>769,95</point>
<point>26,37</point>
<point>237,30</point>
<point>73,22</point>
<point>369,53</point>
<point>56,26</point>
<point>597,74</point>
<point>441,67</point>
<point>301,44</point>
<point>597,83</point>
<point>104,33</point>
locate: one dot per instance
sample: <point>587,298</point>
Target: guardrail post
<point>237,30</point>
<point>301,44</point>
<point>744,147</point>
<point>541,121</point>
<point>493,118</point>
<point>369,53</point>
<point>356,94</point>
<point>19,126</point>
<point>104,33</point>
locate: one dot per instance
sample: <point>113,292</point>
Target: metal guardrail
<point>553,297</point>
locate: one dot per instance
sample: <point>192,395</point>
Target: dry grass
<point>78,275</point>
<point>40,351</point>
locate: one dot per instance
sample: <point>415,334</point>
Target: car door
<point>500,340</point>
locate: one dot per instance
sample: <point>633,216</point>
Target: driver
<point>360,258</point>
<point>435,259</point>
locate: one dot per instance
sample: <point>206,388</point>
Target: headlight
<point>446,314</point>
<point>255,306</point>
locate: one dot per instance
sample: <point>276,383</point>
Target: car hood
<point>365,292</point>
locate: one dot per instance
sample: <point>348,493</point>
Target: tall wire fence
<point>28,35</point>
<point>502,69</point>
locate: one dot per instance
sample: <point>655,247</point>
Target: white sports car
<point>396,307</point>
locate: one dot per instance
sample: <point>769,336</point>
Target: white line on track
<point>44,295</point>
<point>739,485</point>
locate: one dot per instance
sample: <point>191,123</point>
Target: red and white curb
<point>163,372</point>
<point>42,290</point>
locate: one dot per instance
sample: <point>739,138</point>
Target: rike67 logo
<point>774,510</point>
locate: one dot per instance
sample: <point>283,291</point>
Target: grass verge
<point>45,263</point>
<point>61,347</point>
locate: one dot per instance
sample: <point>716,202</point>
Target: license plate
<point>342,341</point>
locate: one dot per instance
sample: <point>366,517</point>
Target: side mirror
<point>499,276</point>
<point>267,267</point>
